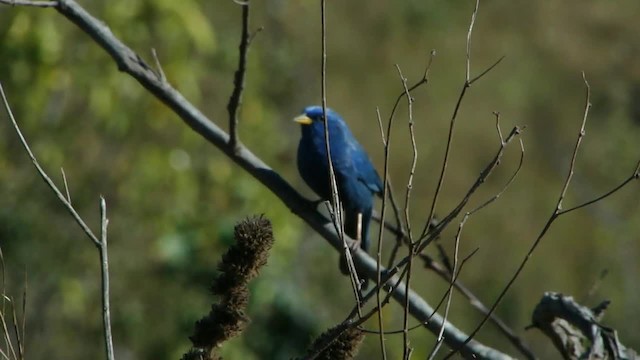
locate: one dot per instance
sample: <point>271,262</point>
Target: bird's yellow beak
<point>303,120</point>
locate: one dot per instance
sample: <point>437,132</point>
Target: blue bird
<point>356,178</point>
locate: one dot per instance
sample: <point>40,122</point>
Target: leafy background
<point>173,199</point>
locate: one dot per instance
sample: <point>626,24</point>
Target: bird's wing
<point>351,160</point>
<point>367,173</point>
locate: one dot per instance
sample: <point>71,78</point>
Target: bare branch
<point>486,71</point>
<point>10,349</point>
<point>104,269</point>
<point>511,179</point>
<point>101,244</point>
<point>484,175</point>
<point>335,198</point>
<point>634,176</point>
<point>385,190</point>
<point>66,186</point>
<point>238,80</point>
<point>44,176</point>
<point>459,232</point>
<point>24,314</point>
<point>556,213</point>
<point>405,334</point>
<point>438,305</point>
<point>16,331</point>
<point>469,32</point>
<point>163,77</point>
<point>448,294</point>
<point>42,4</point>
<point>581,135</point>
<point>452,123</point>
<point>400,232</point>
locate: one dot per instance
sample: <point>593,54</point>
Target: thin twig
<point>486,71</point>
<point>513,176</point>
<point>104,268</point>
<point>635,175</point>
<point>235,100</point>
<point>438,305</point>
<point>407,219</point>
<point>16,331</point>
<point>66,185</point>
<point>400,227</point>
<point>581,135</point>
<point>556,213</point>
<point>44,176</point>
<point>43,4</point>
<point>467,83</point>
<point>515,132</point>
<point>484,175</point>
<point>351,320</point>
<point>504,142</point>
<point>440,338</point>
<point>10,349</point>
<point>335,198</point>
<point>24,313</point>
<point>5,335</point>
<point>402,233</point>
<point>452,123</point>
<point>161,75</point>
<point>385,190</point>
<point>459,232</point>
<point>101,244</point>
<point>477,304</point>
<point>414,160</point>
<point>456,247</point>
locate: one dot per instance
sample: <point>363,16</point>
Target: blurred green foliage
<point>173,199</point>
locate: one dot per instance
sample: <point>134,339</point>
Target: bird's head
<point>314,115</point>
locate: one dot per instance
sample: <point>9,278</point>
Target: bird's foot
<point>313,204</point>
<point>355,245</point>
<point>308,205</point>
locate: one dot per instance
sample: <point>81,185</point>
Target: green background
<point>173,198</point>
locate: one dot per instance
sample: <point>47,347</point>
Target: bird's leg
<point>358,240</point>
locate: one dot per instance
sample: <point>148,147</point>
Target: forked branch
<point>100,244</point>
